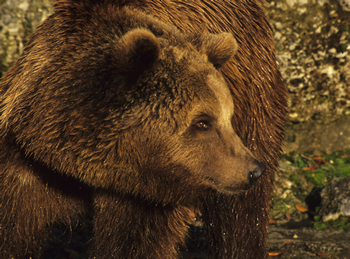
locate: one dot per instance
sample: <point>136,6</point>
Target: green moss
<point>301,162</point>
<point>295,180</point>
<point>343,170</point>
<point>338,165</point>
<point>320,226</point>
<point>340,157</point>
<point>317,218</point>
<point>279,208</point>
<point>343,46</point>
<point>343,223</point>
<point>317,177</point>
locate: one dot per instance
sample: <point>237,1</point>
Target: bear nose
<point>258,171</point>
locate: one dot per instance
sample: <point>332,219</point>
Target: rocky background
<point>18,20</point>
<point>311,206</point>
<point>313,45</point>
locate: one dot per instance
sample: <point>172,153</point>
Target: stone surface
<point>316,138</point>
<point>336,199</point>
<point>299,240</point>
<point>18,19</point>
<point>313,46</point>
<point>345,4</point>
<point>313,42</point>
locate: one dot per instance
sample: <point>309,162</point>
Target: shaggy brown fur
<point>109,106</point>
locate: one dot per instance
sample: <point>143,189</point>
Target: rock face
<point>345,4</point>
<point>317,137</point>
<point>336,199</point>
<point>18,19</point>
<point>313,45</point>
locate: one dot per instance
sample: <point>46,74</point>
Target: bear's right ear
<point>136,51</point>
<point>219,48</point>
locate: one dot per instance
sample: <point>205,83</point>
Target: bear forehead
<point>223,96</point>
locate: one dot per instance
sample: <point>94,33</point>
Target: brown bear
<point>121,105</point>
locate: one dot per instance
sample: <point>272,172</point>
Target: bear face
<point>194,142</point>
<point>142,110</point>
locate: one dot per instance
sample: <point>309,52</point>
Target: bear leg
<point>128,227</point>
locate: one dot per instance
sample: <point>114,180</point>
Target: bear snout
<point>254,175</point>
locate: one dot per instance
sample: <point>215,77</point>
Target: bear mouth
<point>227,189</point>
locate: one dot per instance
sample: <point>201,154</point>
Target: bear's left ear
<point>136,51</point>
<point>219,48</point>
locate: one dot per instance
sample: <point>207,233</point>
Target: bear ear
<point>219,48</point>
<point>136,51</point>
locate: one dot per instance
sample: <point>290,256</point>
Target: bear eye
<point>202,125</point>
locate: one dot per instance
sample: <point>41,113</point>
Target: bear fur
<point>127,106</point>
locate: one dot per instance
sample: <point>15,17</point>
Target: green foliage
<point>317,218</point>
<point>293,178</point>
<point>343,223</point>
<point>279,208</point>
<point>320,226</point>
<point>343,170</point>
<point>301,162</point>
<point>322,176</point>
<point>318,177</point>
<point>343,46</point>
<point>336,165</point>
<point>340,156</point>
